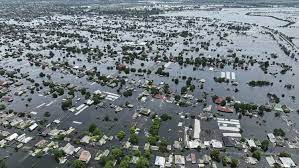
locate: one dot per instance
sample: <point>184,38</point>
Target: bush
<point>117,153</point>
<point>2,106</point>
<point>134,139</point>
<point>125,163</point>
<point>97,98</point>
<point>265,145</point>
<point>163,146</point>
<point>142,163</point>
<point>97,132</point>
<point>257,154</point>
<point>279,132</point>
<point>58,153</point>
<point>284,154</point>
<point>152,139</point>
<point>121,135</point>
<point>154,129</point>
<point>258,83</point>
<point>92,127</point>
<point>215,155</point>
<point>234,163</point>
<point>165,117</point>
<point>66,104</point>
<point>78,164</point>
<point>47,114</point>
<point>128,93</point>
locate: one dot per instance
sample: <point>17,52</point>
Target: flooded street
<point>149,85</point>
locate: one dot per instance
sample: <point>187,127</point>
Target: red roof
<point>159,96</point>
<point>3,82</point>
<point>7,98</point>
<point>120,67</point>
<point>85,156</point>
<point>225,109</point>
<point>219,100</point>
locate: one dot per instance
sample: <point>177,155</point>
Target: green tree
<point>125,162</point>
<point>58,153</point>
<point>97,98</point>
<point>60,91</point>
<point>224,161</point>
<point>279,132</point>
<point>265,145</point>
<point>215,155</point>
<point>165,117</point>
<point>92,127</point>
<point>2,106</point>
<point>83,91</point>
<point>163,146</point>
<point>134,139</point>
<point>97,132</point>
<point>78,164</point>
<point>234,163</point>
<point>142,162</point>
<point>148,154</point>
<point>284,154</point>
<point>257,154</point>
<point>121,135</point>
<point>116,153</point>
<point>109,164</point>
<point>2,163</point>
<point>67,104</point>
<point>152,139</point>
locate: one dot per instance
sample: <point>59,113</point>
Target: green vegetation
<point>244,107</point>
<point>78,164</point>
<point>257,154</point>
<point>92,127</point>
<point>117,153</point>
<point>2,163</point>
<point>59,90</point>
<point>265,145</point>
<point>224,161</point>
<point>284,154</point>
<point>83,91</point>
<point>97,98</point>
<point>163,146</point>
<point>128,93</point>
<point>39,154</point>
<point>234,163</point>
<point>165,117</point>
<point>121,135</point>
<point>142,162</point>
<point>134,139</point>
<point>2,106</point>
<point>215,155</point>
<point>259,83</point>
<point>154,129</point>
<point>67,104</point>
<point>279,132</point>
<point>153,139</point>
<point>109,164</point>
<point>47,114</point>
<point>160,71</point>
<point>125,162</point>
<point>58,153</point>
<point>94,131</point>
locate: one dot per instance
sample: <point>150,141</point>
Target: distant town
<point>149,84</point>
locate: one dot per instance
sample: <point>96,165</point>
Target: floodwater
<point>254,43</point>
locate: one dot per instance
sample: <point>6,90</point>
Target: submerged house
<point>85,156</point>
<point>197,130</point>
<point>224,109</point>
